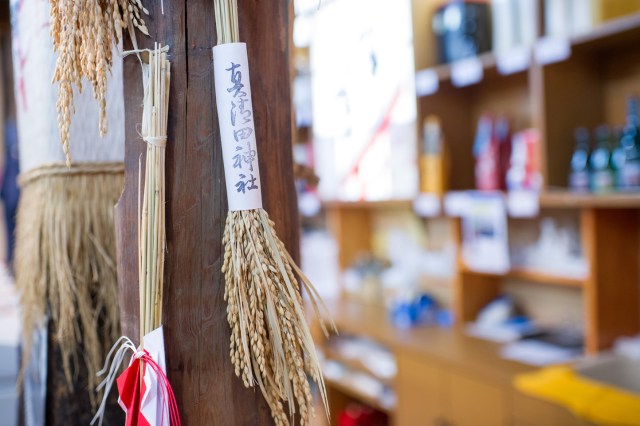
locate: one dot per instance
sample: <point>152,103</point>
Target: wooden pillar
<point>196,329</point>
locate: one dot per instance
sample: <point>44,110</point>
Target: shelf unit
<point>551,98</point>
<point>527,274</point>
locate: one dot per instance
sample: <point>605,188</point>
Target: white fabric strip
<point>237,130</point>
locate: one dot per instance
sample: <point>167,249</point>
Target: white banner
<point>237,130</point>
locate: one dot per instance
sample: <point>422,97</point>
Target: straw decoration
<point>151,229</point>
<point>83,35</point>
<point>271,345</point>
<point>151,251</point>
<point>65,262</point>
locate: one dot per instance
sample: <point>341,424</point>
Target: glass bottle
<point>579,174</point>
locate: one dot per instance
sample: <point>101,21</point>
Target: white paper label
<point>523,203</point>
<point>552,49</point>
<point>456,203</point>
<point>466,72</point>
<point>513,60</point>
<point>485,246</point>
<point>427,82</point>
<point>427,205</point>
<point>154,404</point>
<point>237,130</point>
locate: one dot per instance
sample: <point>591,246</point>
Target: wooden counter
<point>444,376</point>
<point>452,345</point>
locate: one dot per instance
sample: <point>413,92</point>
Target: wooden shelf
<point>544,278</point>
<point>554,198</point>
<point>443,71</point>
<point>357,365</point>
<point>532,275</point>
<point>360,396</point>
<point>567,199</point>
<point>385,204</point>
<point>617,32</point>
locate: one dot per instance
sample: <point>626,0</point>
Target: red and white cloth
<point>147,402</point>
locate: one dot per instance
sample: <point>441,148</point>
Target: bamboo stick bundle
<point>271,345</point>
<point>157,404</point>
<point>84,34</point>
<point>151,228</point>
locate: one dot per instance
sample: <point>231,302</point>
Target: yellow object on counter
<point>587,399</point>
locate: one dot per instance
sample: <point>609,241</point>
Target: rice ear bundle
<point>84,34</point>
<point>271,345</point>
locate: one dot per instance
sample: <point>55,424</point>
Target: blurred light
<point>309,204</point>
<point>303,30</point>
<point>452,18</point>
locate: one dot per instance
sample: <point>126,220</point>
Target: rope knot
<point>141,354</point>
<point>159,141</point>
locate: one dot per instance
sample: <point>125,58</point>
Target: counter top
<point>447,345</point>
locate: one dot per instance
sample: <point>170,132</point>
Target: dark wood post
<point>196,329</point>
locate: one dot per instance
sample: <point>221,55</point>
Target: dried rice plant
<point>271,345</point>
<point>84,34</point>
<point>65,260</point>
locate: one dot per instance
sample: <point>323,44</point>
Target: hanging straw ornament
<point>271,345</point>
<point>144,382</point>
<point>65,259</point>
<point>84,34</point>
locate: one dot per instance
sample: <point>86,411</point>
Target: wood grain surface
<point>196,329</point>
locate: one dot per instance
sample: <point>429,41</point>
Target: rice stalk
<point>270,346</point>
<point>84,34</point>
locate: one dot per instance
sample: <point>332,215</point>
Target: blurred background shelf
<point>544,278</point>
<point>386,204</point>
<point>438,371</point>
<point>356,365</point>
<point>531,275</point>
<point>355,393</point>
<point>567,199</point>
<point>618,32</point>
<point>609,35</point>
<point>553,95</point>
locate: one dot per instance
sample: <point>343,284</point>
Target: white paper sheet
<point>237,130</point>
<point>154,404</point>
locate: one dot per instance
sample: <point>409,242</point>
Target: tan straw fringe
<point>58,169</point>
<point>65,260</point>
